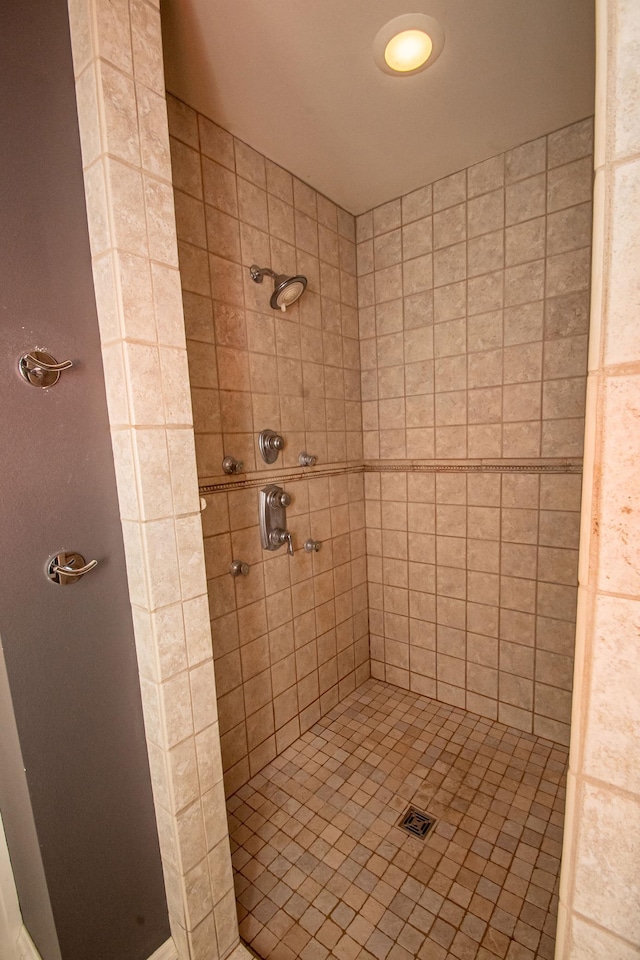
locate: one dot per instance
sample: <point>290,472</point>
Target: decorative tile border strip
<point>505,466</point>
<point>244,483</point>
<point>395,466</point>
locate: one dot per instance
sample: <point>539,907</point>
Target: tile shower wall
<point>599,913</point>
<point>291,638</point>
<point>472,590</point>
<point>117,53</point>
<point>474,297</point>
<point>250,366</point>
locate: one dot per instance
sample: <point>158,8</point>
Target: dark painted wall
<point>15,803</point>
<point>69,652</point>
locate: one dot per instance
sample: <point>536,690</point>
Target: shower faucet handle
<point>289,544</point>
<point>306,460</point>
<point>279,498</point>
<point>270,443</point>
<point>279,536</point>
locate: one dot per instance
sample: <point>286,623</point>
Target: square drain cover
<point>416,822</point>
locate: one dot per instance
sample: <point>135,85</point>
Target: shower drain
<point>416,822</point>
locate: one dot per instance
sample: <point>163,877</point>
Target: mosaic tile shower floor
<point>322,869</point>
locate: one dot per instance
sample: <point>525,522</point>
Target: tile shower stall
<point>435,367</point>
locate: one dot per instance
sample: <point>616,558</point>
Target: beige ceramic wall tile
<point>607,854</point>
<point>591,942</point>
<point>274,680</point>
<point>626,138</point>
<point>597,910</point>
<point>608,751</point>
<point>618,546</point>
<point>130,210</point>
<point>624,281</point>
<point>496,363</point>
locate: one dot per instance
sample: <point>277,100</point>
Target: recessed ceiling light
<point>408,44</point>
<point>408,50</point>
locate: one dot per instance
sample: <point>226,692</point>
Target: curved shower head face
<point>286,290</point>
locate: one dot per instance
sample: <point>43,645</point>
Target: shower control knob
<point>239,568</point>
<point>230,465</point>
<point>270,443</point>
<point>306,460</point>
<point>279,498</point>
<point>278,537</point>
<point>312,546</point>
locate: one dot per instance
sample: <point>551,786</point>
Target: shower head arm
<point>258,273</point>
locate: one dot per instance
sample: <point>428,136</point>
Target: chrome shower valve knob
<point>239,568</point>
<point>231,466</point>
<point>279,498</point>
<point>306,459</point>
<point>270,443</point>
<point>312,546</point>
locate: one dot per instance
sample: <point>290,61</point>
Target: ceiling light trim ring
<point>408,21</point>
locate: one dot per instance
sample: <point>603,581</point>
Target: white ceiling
<point>297,81</point>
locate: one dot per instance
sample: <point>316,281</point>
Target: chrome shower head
<point>286,290</point>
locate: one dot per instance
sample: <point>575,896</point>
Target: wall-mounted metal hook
<point>67,568</point>
<point>40,369</point>
<point>239,568</point>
